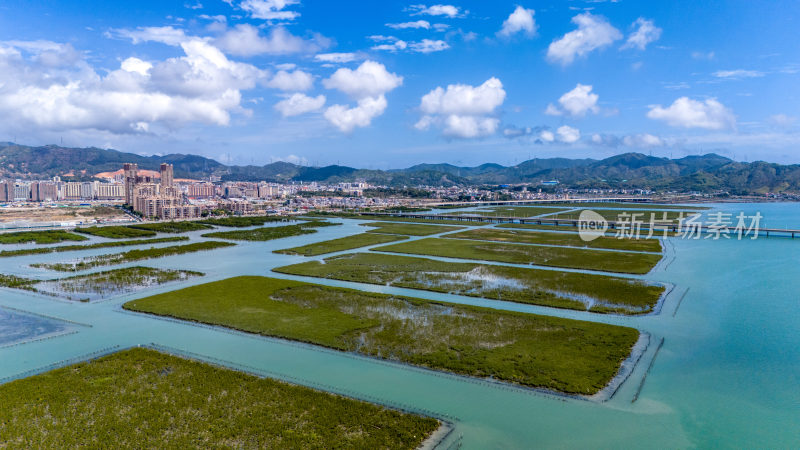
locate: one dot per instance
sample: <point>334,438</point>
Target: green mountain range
<point>705,173</point>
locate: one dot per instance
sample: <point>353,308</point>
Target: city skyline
<point>392,84</point>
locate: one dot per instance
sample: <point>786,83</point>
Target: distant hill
<point>699,173</point>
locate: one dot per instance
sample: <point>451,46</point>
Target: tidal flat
<point>141,398</point>
<point>569,290</point>
<point>564,355</point>
<point>98,285</point>
<point>341,244</point>
<point>563,257</point>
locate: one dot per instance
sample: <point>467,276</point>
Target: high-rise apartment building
<point>130,173</point>
<point>166,175</point>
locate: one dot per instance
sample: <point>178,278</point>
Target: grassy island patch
<point>408,229</point>
<point>563,239</point>
<point>13,281</point>
<point>538,351</point>
<point>270,233</point>
<point>244,221</point>
<point>132,255</point>
<point>658,231</point>
<point>573,258</point>
<point>338,245</point>
<point>40,237</point>
<point>73,248</point>
<point>570,290</point>
<point>112,282</point>
<point>141,398</point>
<point>172,227</point>
<point>116,232</point>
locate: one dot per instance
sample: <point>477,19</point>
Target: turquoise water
<point>728,374</point>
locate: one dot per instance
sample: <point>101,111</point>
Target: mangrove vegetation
<point>140,398</point>
<point>565,257</point>
<point>570,290</point>
<point>538,351</point>
<point>341,244</point>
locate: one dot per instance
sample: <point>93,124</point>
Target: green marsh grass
<point>338,245</point>
<point>270,233</point>
<point>116,232</point>
<point>111,282</point>
<point>569,290</point>
<point>564,239</point>
<point>244,221</point>
<point>408,229</point>
<point>40,237</point>
<point>132,255</point>
<point>72,248</point>
<point>564,257</point>
<point>172,227</point>
<point>140,398</point>
<point>538,351</point>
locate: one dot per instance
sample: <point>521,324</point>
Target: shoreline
<point>626,368</point>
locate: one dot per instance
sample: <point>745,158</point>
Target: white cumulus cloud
<point>594,32</point>
<point>643,140</point>
<point>395,45</point>
<point>462,110</point>
<point>368,85</point>
<point>246,40</point>
<point>646,32</point>
<point>165,35</point>
<point>299,104</point>
<point>270,9</point>
<point>567,134</point>
<point>435,10</point>
<point>688,113</point>
<point>202,86</point>
<point>336,57</point>
<point>738,74</point>
<point>576,102</point>
<point>370,79</point>
<point>347,119</point>
<point>429,46</point>
<point>136,65</point>
<point>296,80</point>
<point>416,24</point>
<point>521,20</point>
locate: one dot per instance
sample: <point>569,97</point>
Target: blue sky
<point>390,84</point>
